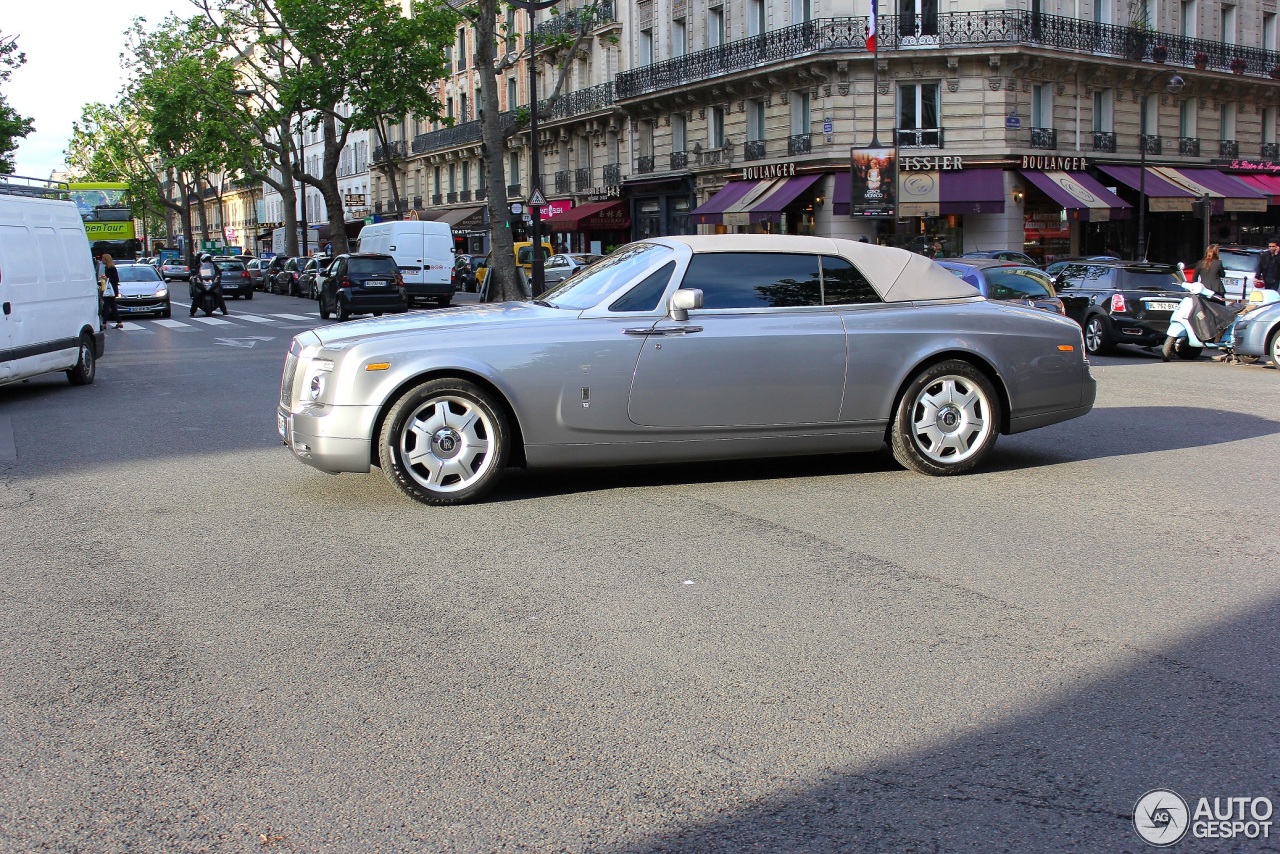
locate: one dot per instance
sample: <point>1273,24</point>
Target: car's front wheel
<point>1097,340</point>
<point>445,441</point>
<point>946,420</point>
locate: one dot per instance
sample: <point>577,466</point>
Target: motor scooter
<point>1201,321</point>
<point>205,292</point>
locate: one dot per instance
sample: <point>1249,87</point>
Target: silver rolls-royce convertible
<point>680,349</point>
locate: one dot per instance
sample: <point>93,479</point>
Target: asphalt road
<point>206,645</point>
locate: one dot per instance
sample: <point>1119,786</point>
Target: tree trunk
<point>333,143</point>
<point>288,190</point>
<point>389,170</point>
<point>501,281</point>
<point>198,193</point>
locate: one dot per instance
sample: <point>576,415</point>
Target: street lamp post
<point>1174,85</point>
<point>538,278</point>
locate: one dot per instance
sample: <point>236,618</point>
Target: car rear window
<point>844,284</point>
<point>233,266</point>
<point>1021,283</point>
<point>1145,280</point>
<point>372,267</point>
<point>1240,262</point>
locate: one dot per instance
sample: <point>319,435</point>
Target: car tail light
<point>244,275</point>
<point>346,282</point>
<point>1258,284</point>
<point>1117,303</point>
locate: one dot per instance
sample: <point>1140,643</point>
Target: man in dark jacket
<point>1269,265</point>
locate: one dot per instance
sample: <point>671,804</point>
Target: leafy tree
<point>13,126</point>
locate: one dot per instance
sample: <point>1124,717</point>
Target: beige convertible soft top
<point>896,274</point>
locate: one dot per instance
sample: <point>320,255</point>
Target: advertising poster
<point>874,182</point>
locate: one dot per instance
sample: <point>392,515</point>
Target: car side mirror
<point>683,300</point>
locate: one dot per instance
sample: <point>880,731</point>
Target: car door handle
<point>666,330</point>
<point>8,309</point>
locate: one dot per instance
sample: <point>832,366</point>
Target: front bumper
<point>327,437</point>
<point>238,289</point>
<point>1251,336</point>
<point>142,305</point>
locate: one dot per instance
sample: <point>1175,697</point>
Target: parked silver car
<point>680,349</point>
<point>565,264</point>
<point>1257,333</point>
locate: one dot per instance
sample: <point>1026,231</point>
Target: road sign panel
<point>537,199</point>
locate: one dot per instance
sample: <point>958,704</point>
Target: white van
<point>423,251</point>
<point>48,290</point>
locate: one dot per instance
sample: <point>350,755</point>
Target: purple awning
<point>1161,195</point>
<point>770,206</point>
<point>840,196</point>
<point>971,191</point>
<point>1082,197</point>
<point>712,210</point>
<point>1229,193</point>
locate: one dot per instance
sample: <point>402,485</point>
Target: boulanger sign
<point>769,170</point>
<point>1052,163</point>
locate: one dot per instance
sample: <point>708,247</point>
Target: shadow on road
<point>1201,718</point>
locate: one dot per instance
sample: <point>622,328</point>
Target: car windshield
<point>599,280</point>
<point>1018,283</point>
<point>1240,262</point>
<point>137,273</point>
<point>372,267</point>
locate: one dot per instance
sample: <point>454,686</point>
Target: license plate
<point>373,283</point>
<point>1162,306</point>
<point>281,425</point>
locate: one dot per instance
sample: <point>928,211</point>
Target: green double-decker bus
<point>108,217</point>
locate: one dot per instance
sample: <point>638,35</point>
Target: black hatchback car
<point>362,283</point>
<point>1120,302</point>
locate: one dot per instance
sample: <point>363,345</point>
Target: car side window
<point>646,295</point>
<point>844,284</point>
<point>754,279</point>
<point>1018,284</point>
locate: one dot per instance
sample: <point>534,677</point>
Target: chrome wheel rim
<point>446,444</point>
<point>950,419</point>
<point>1093,335</point>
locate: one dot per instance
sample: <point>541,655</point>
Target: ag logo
<point>1161,817</point>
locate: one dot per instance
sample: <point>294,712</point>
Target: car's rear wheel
<point>344,313</point>
<point>1274,349</point>
<point>946,420</point>
<point>324,312</point>
<point>249,294</point>
<point>86,364</point>
<point>445,441</point>
<point>444,301</point>
<point>1096,338</point>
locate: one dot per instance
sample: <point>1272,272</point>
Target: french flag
<point>871,28</point>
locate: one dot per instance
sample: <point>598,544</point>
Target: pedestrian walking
<point>109,283</point>
<point>1209,272</point>
<point>1269,265</point>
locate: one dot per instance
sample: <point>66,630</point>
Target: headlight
<point>162,292</point>
<point>317,386</point>
<point>319,371</point>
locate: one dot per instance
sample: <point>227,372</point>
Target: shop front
<point>593,227</point>
<point>1067,212</point>
<point>770,199</point>
<point>470,227</point>
<point>659,207</point>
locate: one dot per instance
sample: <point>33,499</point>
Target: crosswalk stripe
<point>213,321</point>
<point>292,317</point>
<point>253,318</point>
<point>171,324</point>
<point>129,325</point>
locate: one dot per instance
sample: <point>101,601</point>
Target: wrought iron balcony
<point>799,143</point>
<point>753,150</point>
<point>450,198</point>
<point>994,28</point>
<point>402,203</point>
<point>391,151</point>
<point>1044,138</point>
<point>576,21</point>
<point>1270,151</point>
<point>1150,144</point>
<point>919,137</point>
<point>577,103</point>
<point>563,181</point>
<point>464,195</point>
<point>1189,146</point>
<point>612,174</point>
<point>1228,148</point>
<point>716,156</point>
<point>582,179</point>
<point>377,207</point>
<point>679,160</point>
<point>1104,140</point>
<point>513,191</point>
<point>417,201</point>
<point>644,164</point>
<point>437,199</point>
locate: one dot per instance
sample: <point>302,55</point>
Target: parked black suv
<point>362,283</point>
<point>1119,302</point>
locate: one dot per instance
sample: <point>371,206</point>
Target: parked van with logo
<point>423,251</point>
<point>48,288</point>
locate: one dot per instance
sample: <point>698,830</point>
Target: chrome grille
<point>286,381</point>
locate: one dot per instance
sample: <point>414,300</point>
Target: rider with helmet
<point>207,277</point>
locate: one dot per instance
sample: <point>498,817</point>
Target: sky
<point>73,58</point>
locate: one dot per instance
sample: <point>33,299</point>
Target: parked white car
<point>48,290</point>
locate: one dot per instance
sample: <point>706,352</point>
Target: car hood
<point>505,315</point>
<point>140,289</point>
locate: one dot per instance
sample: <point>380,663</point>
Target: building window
<point>453,176</point>
<point>715,127</point>
<point>755,120</point>
<point>1103,115</point>
<point>437,181</point>
<point>1187,119</point>
<point>466,177</point>
<point>510,29</point>
<point>463,115</point>
<point>1149,116</point>
<point>511,93</point>
<point>1042,106</point>
<point>1227,122</point>
<point>801,11</point>
<point>678,141</point>
<point>1228,19</point>
<point>755,17</point>
<point>918,115</point>
<point>462,48</point>
<point>1102,11</point>
<point>679,37</point>
<point>1187,19</point>
<point>799,113</point>
<point>1269,125</point>
<point>715,26</point>
<point>513,175</point>
<point>646,47</point>
<point>1269,31</point>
